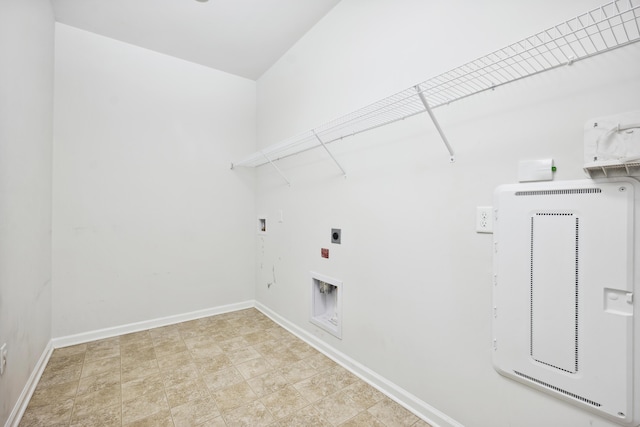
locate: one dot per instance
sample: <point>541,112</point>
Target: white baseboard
<point>147,324</point>
<point>403,397</point>
<point>23,400</point>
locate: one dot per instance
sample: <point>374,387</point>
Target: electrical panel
<point>564,292</point>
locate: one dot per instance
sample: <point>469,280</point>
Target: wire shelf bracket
<point>610,26</point>
<point>452,157</point>
<point>276,168</point>
<point>330,154</point>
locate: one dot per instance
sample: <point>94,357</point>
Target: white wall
<point>149,220</point>
<point>26,118</point>
<point>417,278</point>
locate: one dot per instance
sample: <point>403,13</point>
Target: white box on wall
<point>326,303</point>
<point>563,292</point>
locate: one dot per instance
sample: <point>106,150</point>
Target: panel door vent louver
<point>559,390</point>
<point>576,257</point>
<point>559,192</point>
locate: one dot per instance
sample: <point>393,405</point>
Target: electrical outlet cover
<point>484,219</point>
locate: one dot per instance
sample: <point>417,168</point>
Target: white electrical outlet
<point>3,357</point>
<point>484,219</point>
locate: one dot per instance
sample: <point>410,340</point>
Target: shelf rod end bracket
<point>435,122</point>
<point>330,154</point>
<point>276,168</point>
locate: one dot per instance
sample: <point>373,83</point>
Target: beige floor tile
<point>237,368</point>
<point>363,419</point>
<point>282,358</point>
<point>214,422</point>
<point>316,387</point>
<point>320,362</point>
<point>58,413</point>
<point>180,375</point>
<point>139,387</point>
<point>144,406</point>
<point>254,367</point>
<point>159,419</point>
<point>363,395</point>
<point>60,374</point>
<point>280,334</point>
<point>169,348</point>
<point>98,400</point>
<point>212,365</point>
<point>61,359</point>
<point>297,371</point>
<point>341,376</point>
<point>140,370</point>
<point>104,417</point>
<point>233,396</point>
<point>250,330</point>
<point>98,382</point>
<point>234,343</point>
<point>135,338</point>
<point>200,341</point>
<point>256,337</point>
<point>194,412</point>
<point>302,350</point>
<point>135,355</point>
<point>392,414</point>
<point>205,350</point>
<point>336,408</point>
<point>267,383</point>
<point>242,355</point>
<point>284,402</point>
<point>101,366</point>
<point>186,391</point>
<point>164,332</point>
<point>169,362</point>
<point>141,340</point>
<point>268,347</point>
<point>103,349</point>
<point>325,383</point>
<point>223,379</point>
<point>56,393</point>
<point>189,332</point>
<point>307,416</point>
<point>221,335</point>
<point>64,352</point>
<point>255,414</point>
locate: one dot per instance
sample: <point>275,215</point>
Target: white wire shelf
<point>596,31</point>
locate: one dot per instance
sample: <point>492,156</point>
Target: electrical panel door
<point>563,291</point>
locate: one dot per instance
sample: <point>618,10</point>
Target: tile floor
<point>234,369</point>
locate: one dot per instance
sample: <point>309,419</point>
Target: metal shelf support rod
<point>435,123</point>
<point>276,168</point>
<point>330,154</point>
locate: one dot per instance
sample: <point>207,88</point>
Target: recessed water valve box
<point>326,303</point>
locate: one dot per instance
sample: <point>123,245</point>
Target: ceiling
<point>241,37</point>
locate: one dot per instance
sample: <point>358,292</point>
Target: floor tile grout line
<point>121,389</point>
<point>75,396</point>
<point>164,387</point>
